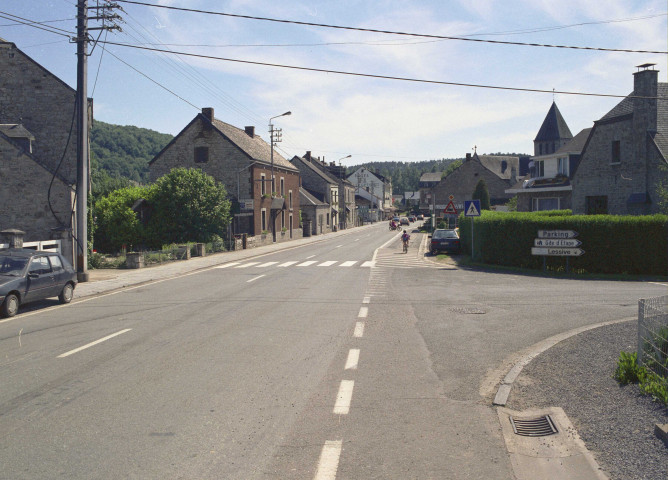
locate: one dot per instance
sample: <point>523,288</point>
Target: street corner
<point>542,443</point>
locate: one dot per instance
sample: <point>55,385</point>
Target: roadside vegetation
<point>649,382</point>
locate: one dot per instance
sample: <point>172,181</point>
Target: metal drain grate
<point>534,427</point>
<point>468,310</point>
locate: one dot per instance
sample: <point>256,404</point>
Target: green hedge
<point>612,244</point>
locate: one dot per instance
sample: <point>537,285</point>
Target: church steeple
<point>553,133</point>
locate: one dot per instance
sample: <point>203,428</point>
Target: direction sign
<point>557,251</point>
<point>557,234</point>
<point>450,209</point>
<point>549,242</point>
<point>472,208</point>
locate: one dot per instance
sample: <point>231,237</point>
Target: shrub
<point>628,371</point>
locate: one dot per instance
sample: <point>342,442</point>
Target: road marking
<point>353,359</point>
<point>253,279</point>
<point>662,284</point>
<point>364,311</point>
<point>246,265</point>
<point>338,246</point>
<point>359,330</point>
<point>344,397</point>
<point>306,264</point>
<point>357,239</point>
<point>328,263</point>
<point>349,263</point>
<point>268,264</point>
<point>369,263</point>
<point>227,265</point>
<point>366,300</point>
<point>329,460</point>
<point>310,257</point>
<point>287,264</point>
<point>76,350</point>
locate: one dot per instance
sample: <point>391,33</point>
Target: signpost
<point>472,209</point>
<point>557,243</point>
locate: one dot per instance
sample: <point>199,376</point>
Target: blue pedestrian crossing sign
<point>472,208</point>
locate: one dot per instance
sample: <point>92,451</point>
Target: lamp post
<point>275,136</point>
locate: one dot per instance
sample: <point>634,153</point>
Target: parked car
<point>404,221</point>
<point>30,275</point>
<point>445,240</point>
<point>412,218</point>
<point>420,217</point>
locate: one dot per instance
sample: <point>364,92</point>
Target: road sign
<point>557,251</point>
<point>246,204</point>
<point>472,208</point>
<point>450,209</point>
<point>549,242</point>
<point>557,234</point>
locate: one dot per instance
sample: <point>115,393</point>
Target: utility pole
<point>83,161</point>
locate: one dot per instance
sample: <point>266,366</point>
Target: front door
<point>41,282</point>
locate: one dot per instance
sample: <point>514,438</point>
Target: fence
<point>46,245</point>
<point>653,334</point>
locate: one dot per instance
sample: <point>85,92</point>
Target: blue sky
<point>371,119</point>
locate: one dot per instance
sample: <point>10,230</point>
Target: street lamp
<point>275,136</point>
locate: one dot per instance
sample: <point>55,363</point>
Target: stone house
<point>374,183</point>
<point>37,150</point>
<point>242,162</point>
<point>426,184</point>
<point>624,158</point>
<point>320,185</point>
<point>498,172</point>
<point>314,214</point>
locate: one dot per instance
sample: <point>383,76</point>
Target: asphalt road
<point>276,367</point>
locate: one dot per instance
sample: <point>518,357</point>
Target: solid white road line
<point>328,263</point>
<point>344,397</point>
<point>364,311</point>
<point>359,330</point>
<point>253,279</point>
<point>329,460</point>
<point>349,263</point>
<point>306,264</point>
<point>71,352</point>
<point>287,264</point>
<point>353,359</point>
<point>267,264</point>
<point>246,265</point>
<point>227,265</point>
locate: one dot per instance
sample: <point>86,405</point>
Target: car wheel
<point>67,293</point>
<point>10,306</point>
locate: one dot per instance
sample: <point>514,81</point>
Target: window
<point>290,199</point>
<point>282,219</point>
<point>263,182</point>
<point>616,152</point>
<point>282,186</point>
<point>40,265</point>
<point>538,204</point>
<point>540,169</point>
<point>56,264</point>
<point>562,166</point>
<point>201,154</point>
<point>263,219</point>
<point>596,205</point>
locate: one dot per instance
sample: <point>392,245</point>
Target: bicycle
<point>406,246</point>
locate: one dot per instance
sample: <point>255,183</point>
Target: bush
<point>628,371</point>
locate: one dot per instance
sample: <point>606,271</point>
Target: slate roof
<point>502,166</point>
<point>431,177</point>
<point>309,164</point>
<point>16,131</point>
<point>554,126</point>
<point>576,144</point>
<point>306,198</point>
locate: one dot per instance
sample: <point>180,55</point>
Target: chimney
<point>645,80</point>
<point>307,155</point>
<point>468,157</point>
<point>208,113</point>
<point>250,131</point>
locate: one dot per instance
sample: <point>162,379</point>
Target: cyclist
<point>405,237</point>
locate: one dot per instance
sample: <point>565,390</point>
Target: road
<point>309,362</point>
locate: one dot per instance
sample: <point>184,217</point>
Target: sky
<point>366,117</point>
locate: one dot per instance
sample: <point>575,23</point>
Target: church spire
<point>553,133</point>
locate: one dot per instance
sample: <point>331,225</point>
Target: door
<point>41,282</point>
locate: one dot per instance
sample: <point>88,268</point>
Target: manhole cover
<point>534,427</point>
<point>468,310</point>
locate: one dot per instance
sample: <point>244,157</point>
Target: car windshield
<point>12,266</point>
<point>445,234</point>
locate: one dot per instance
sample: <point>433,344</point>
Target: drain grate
<point>468,310</point>
<point>534,427</point>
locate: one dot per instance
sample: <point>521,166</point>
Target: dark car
<point>444,240</point>
<point>30,275</point>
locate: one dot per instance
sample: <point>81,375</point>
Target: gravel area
<point>616,423</point>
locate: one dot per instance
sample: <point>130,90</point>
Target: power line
<point>39,25</point>
<point>390,32</point>
<point>368,75</point>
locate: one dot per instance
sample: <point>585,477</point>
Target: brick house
<point>320,185</point>
<point>499,173</point>
<point>623,158</point>
<point>37,150</point>
<point>241,161</point>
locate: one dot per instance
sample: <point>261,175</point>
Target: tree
<point>116,224</point>
<point>481,193</point>
<point>188,206</point>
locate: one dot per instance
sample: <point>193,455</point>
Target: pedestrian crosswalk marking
<point>287,264</point>
<point>227,265</point>
<point>308,263</point>
<point>268,264</point>
<point>246,265</point>
<point>328,263</point>
<point>348,263</point>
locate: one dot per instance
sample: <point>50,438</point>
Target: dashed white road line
<point>344,397</point>
<point>329,460</point>
<point>353,359</point>
<point>227,265</point>
<point>255,278</point>
<point>246,265</point>
<point>364,311</point>
<point>311,256</point>
<point>76,350</point>
<point>267,264</point>
<point>359,330</point>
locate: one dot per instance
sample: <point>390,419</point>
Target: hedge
<point>612,244</point>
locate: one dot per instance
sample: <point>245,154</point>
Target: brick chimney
<point>208,113</point>
<point>307,155</point>
<point>250,131</point>
<point>468,157</point>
